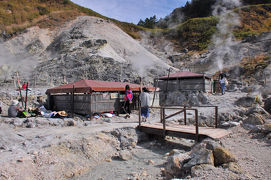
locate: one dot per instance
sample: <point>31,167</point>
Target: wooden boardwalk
<point>183,131</point>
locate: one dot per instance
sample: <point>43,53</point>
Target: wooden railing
<point>183,109</point>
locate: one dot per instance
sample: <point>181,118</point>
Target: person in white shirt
<point>145,103</point>
<point>222,82</point>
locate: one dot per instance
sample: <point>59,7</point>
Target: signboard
<point>114,95</point>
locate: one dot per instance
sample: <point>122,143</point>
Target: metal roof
<point>184,74</point>
<point>88,86</point>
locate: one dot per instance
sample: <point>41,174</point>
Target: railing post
<point>139,115</point>
<point>72,108</point>
<point>164,123</point>
<point>197,125</point>
<point>161,115</point>
<point>216,116</point>
<point>184,114</point>
<point>26,92</point>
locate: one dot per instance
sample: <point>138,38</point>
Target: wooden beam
<point>174,114</point>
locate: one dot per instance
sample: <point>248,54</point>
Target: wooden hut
<point>90,96</point>
<point>185,81</point>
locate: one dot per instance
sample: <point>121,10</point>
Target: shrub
<point>43,10</point>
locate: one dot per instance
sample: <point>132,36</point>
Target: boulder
<point>256,109</point>
<point>245,101</point>
<point>202,98</point>
<point>267,105</point>
<point>127,137</point>
<point>265,129</point>
<point>175,163</point>
<point>203,156</point>
<point>211,144</point>
<point>254,119</point>
<point>222,156</point>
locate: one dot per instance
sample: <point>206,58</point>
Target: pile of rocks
<point>208,155</point>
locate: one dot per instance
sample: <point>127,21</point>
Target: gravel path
<point>252,152</point>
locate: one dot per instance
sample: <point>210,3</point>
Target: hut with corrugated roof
<point>91,96</point>
<point>176,87</point>
<point>185,81</point>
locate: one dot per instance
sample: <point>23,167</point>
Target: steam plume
<point>223,39</point>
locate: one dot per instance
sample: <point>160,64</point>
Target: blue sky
<point>132,10</point>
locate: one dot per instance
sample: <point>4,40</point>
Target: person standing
<point>128,100</point>
<point>223,82</point>
<point>145,104</point>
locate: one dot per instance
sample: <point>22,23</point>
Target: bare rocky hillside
<point>86,48</point>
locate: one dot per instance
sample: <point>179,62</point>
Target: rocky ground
<point>106,148</point>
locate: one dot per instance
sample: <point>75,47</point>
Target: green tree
<point>149,22</point>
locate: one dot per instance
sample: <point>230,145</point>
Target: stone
<point>245,101</point>
<point>56,122</point>
<point>125,155</point>
<point>42,122</point>
<point>256,109</point>
<point>108,160</point>
<point>267,105</point>
<point>175,163</point>
<point>211,144</point>
<point>254,119</point>
<point>30,125</point>
<point>18,122</point>
<point>232,124</point>
<point>222,156</point>
<point>202,98</point>
<point>150,162</point>
<point>203,156</point>
<point>144,173</point>
<point>69,122</point>
<point>267,128</point>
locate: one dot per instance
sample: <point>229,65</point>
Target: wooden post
<point>155,86</point>
<point>184,114</point>
<point>26,91</point>
<point>139,115</point>
<point>161,115</point>
<point>197,125</point>
<point>90,110</point>
<point>216,116</point>
<point>72,101</point>
<point>164,123</point>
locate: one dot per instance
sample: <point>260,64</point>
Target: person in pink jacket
<point>128,99</point>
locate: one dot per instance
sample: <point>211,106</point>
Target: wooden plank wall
<point>91,103</point>
<point>64,102</point>
<point>191,84</point>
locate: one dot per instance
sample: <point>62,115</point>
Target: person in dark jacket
<point>128,98</point>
